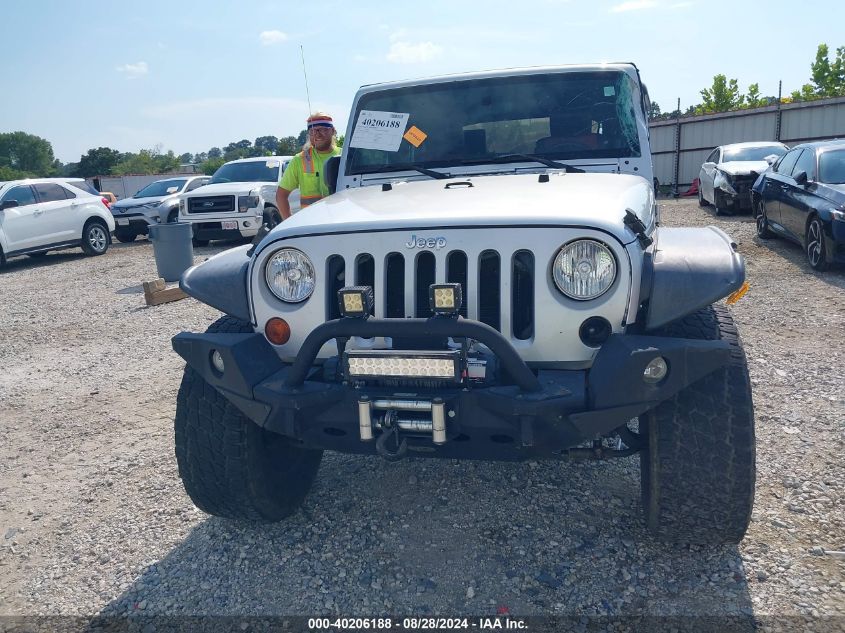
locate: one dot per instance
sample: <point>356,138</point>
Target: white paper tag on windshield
<point>271,163</point>
<point>172,189</point>
<point>379,130</point>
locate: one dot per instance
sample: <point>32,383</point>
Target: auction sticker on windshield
<point>379,130</point>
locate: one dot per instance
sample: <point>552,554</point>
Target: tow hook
<point>392,451</point>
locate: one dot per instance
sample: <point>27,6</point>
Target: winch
<point>384,414</point>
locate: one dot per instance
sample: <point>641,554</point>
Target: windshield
<point>554,115</point>
<point>161,188</point>
<point>752,153</point>
<point>252,171</point>
<point>832,167</point>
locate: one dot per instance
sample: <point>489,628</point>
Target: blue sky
<point>187,76</point>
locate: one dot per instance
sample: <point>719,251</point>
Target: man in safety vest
<point>304,172</point>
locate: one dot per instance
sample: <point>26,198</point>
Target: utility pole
<point>677,149</point>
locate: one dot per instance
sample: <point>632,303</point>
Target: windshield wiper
<point>512,158</point>
<point>437,175</point>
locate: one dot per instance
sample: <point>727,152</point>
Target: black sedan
<point>802,198</point>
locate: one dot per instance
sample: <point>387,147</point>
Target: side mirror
<point>8,204</point>
<point>330,173</point>
<point>801,178</point>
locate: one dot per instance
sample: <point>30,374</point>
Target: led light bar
<point>445,298</point>
<point>355,301</point>
<point>443,365</point>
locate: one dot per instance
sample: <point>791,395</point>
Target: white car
<point>44,214</point>
<point>240,197</point>
<point>729,172</point>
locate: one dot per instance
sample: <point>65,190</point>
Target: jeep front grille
<point>500,294</point>
<point>211,204</point>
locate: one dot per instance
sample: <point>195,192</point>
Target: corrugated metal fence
<point>679,146</point>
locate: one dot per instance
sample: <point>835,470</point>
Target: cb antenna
<point>305,74</point>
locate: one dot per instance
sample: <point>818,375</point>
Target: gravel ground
<point>94,520</point>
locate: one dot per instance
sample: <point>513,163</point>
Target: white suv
<point>45,214</point>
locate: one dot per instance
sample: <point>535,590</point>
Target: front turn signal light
<point>277,331</point>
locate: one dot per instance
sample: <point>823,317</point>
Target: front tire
<point>272,217</point>
<point>698,471</point>
<point>815,248</point>
<point>95,238</point>
<point>230,466</point>
<point>764,232</point>
<point>701,201</point>
<point>125,237</point>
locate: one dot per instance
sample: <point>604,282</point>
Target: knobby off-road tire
<point>697,474</point>
<point>230,466</point>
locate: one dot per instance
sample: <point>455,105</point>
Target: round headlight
<point>290,275</point>
<point>584,269</point>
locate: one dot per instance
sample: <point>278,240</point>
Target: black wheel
<point>272,217</point>
<point>230,466</point>
<point>701,201</point>
<point>125,236</point>
<point>95,238</point>
<point>37,255</point>
<point>814,245</point>
<point>697,473</point>
<point>764,232</point>
<point>198,242</point>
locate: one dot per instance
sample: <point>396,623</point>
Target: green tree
<point>828,77</point>
<point>215,152</point>
<point>302,139</point>
<point>288,146</point>
<point>339,140</point>
<point>753,98</point>
<point>267,145</point>
<point>97,162</point>
<point>186,158</point>
<point>200,157</point>
<point>147,161</point>
<point>8,173</point>
<point>722,96</point>
<point>654,110</point>
<point>26,153</point>
<point>807,93</point>
<point>211,165</point>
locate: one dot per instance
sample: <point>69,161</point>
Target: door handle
<point>37,212</point>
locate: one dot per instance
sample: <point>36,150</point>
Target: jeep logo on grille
<point>426,242</point>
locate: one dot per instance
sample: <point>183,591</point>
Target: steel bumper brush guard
<point>450,396</point>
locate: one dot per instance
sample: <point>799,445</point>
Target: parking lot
<point>94,519</point>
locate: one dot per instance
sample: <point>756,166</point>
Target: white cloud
<point>633,5</point>
<point>271,38</point>
<point>402,52</point>
<point>132,71</point>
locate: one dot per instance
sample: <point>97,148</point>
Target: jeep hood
<point>594,200</point>
<point>743,167</point>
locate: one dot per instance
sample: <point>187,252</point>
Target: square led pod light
<point>355,301</point>
<point>445,298</point>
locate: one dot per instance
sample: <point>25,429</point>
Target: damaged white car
<point>729,172</point>
<point>489,280</point>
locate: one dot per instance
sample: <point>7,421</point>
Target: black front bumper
<point>538,413</point>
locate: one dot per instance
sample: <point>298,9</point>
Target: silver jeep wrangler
<point>488,280</point>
